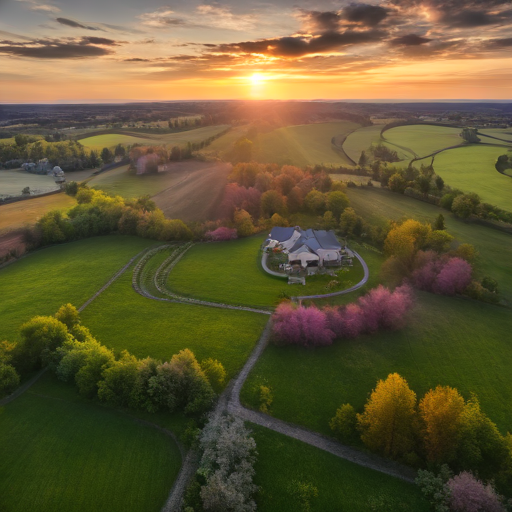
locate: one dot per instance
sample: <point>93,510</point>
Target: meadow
<point>422,140</point>
<point>110,140</point>
<point>215,272</point>
<point>363,138</point>
<point>494,247</point>
<point>447,341</point>
<point>221,147</point>
<point>471,169</point>
<point>13,181</point>
<point>122,319</point>
<point>44,280</point>
<point>61,452</point>
<point>342,485</point>
<point>17,215</point>
<point>302,145</point>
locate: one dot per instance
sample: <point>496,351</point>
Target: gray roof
<point>316,239</point>
<point>281,234</point>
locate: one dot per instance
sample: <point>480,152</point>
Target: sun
<point>257,78</point>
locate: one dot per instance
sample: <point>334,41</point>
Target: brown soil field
<point>12,240</point>
<point>196,192</point>
<point>17,215</point>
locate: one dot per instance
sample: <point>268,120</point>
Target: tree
<point>468,494</point>
<point>363,159</point>
<point>343,424</point>
<point>40,337</point>
<point>435,488</point>
<point>120,151</point>
<point>243,223</point>
<point>387,424</point>
<point>68,315</point>
<point>464,205</point>
<point>272,202</point>
<point>440,412</point>
<point>329,221</point>
<point>118,382</point>
<point>229,454</point>
<point>397,183</point>
<point>242,150</point>
<point>439,224</point>
<point>9,379</point>
<point>106,155</point>
<point>303,493</point>
<point>336,203</point>
<point>454,277</point>
<point>423,183</point>
<point>348,221</point>
<point>439,240</point>
<point>315,202</point>
<point>215,373</point>
<point>439,183</point>
<point>221,234</point>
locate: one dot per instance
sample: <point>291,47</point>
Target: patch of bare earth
<point>12,241</point>
<point>197,192</point>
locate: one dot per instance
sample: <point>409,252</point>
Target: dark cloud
<point>99,40</point>
<point>300,46</point>
<point>53,49</point>
<point>410,40</point>
<point>367,15</point>
<point>136,59</point>
<point>74,24</point>
<point>500,43</point>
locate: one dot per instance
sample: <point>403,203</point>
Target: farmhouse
<point>310,247</point>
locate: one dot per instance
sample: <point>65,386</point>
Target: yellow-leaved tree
<point>440,412</point>
<point>388,423</point>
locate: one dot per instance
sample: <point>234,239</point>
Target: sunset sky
<point>77,50</point>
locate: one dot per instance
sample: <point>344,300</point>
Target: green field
<point>500,133</point>
<point>471,169</point>
<point>221,146</point>
<point>494,247</point>
<point>17,215</point>
<point>111,140</point>
<point>447,341</point>
<point>13,181</point>
<point>302,145</point>
<point>231,272</point>
<point>62,453</point>
<point>422,140</point>
<point>122,319</point>
<point>363,138</point>
<point>342,486</point>
<point>40,283</point>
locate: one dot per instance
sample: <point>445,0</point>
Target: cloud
<point>74,24</point>
<point>136,59</point>
<point>44,8</point>
<point>367,15</point>
<point>410,40</point>
<point>54,49</point>
<point>298,46</point>
<point>99,40</point>
<point>162,18</point>
<point>500,43</point>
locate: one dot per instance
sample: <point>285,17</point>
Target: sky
<point>104,50</point>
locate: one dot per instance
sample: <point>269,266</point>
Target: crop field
<point>111,140</point>
<point>17,215</point>
<point>216,272</point>
<point>302,145</point>
<point>221,146</point>
<point>61,453</point>
<point>363,138</point>
<point>471,169</point>
<point>122,319</point>
<point>187,190</point>
<point>422,140</point>
<point>13,181</point>
<point>494,247</point>
<point>353,178</point>
<point>342,485</point>
<point>447,341</point>
<point>40,283</point>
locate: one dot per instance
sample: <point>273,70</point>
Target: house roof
<point>281,234</point>
<point>315,240</point>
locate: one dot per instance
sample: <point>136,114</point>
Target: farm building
<point>309,247</point>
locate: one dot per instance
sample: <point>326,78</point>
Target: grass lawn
<point>471,169</point>
<point>40,283</point>
<point>422,140</point>
<point>447,341</point>
<point>122,319</point>
<point>110,140</point>
<point>19,214</point>
<point>231,272</point>
<point>302,145</point>
<point>494,247</point>
<point>363,138</point>
<point>13,181</point>
<point>342,486</point>
<point>61,453</point>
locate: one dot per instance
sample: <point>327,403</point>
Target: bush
<point>9,379</point>
<point>343,424</point>
<point>468,494</point>
<point>221,234</point>
<point>215,373</point>
<point>266,398</point>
